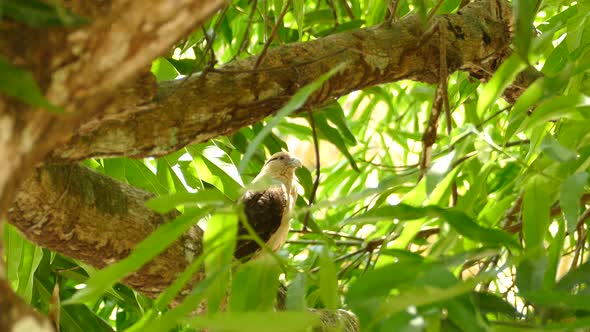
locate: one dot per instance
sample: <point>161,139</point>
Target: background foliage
<point>492,235</point>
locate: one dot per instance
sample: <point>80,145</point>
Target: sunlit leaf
<point>499,82</point>
<point>270,321</point>
<point>246,293</point>
<point>163,70</point>
<point>328,282</point>
<point>536,204</point>
<point>146,250</point>
<point>218,245</point>
<point>207,197</point>
<point>569,200</point>
<point>524,13</point>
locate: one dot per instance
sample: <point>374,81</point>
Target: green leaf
<point>39,14</point>
<point>379,282</point>
<point>296,293</point>
<point>296,102</point>
<point>13,243</point>
<point>524,13</point>
<point>569,200</point>
<point>536,204</point>
<point>455,218</point>
<point>423,296</point>
<point>299,13</point>
<point>19,83</point>
<point>73,317</point>
<point>219,242</point>
<point>171,318</point>
<point>140,175</point>
<point>519,114</point>
<point>214,166</point>
<point>556,108</point>
<point>448,6</point>
<point>168,295</point>
<point>328,281</point>
<point>551,147</point>
<point>494,304</point>
<point>207,197</point>
<point>503,77</point>
<point>23,259</point>
<point>147,249</point>
<point>554,256</point>
<point>335,114</point>
<point>163,70</point>
<point>185,66</point>
<point>167,176</point>
<point>559,299</point>
<point>334,136</point>
<point>31,258</point>
<point>246,294</point>
<point>270,321</point>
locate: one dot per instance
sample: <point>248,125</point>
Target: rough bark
<point>17,315</point>
<point>223,100</point>
<point>98,220</point>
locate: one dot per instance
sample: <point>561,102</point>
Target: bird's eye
<point>281,158</point>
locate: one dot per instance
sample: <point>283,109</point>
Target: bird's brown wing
<point>264,210</point>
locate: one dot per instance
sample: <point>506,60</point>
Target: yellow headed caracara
<point>268,210</point>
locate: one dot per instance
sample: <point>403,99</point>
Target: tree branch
<point>98,220</point>
<point>236,95</point>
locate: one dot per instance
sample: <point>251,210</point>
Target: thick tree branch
<point>98,220</point>
<point>198,108</point>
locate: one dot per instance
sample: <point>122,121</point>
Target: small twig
<point>352,265</point>
<point>368,264</point>
<point>245,40</point>
<point>341,258</point>
<point>444,88</point>
<point>334,12</point>
<point>579,248</point>
<point>582,235</point>
<point>583,218</point>
<point>347,9</point>
<point>316,183</point>
<point>491,117</point>
<point>430,133</point>
<point>516,143</point>
<point>391,15</point>
<point>272,35</point>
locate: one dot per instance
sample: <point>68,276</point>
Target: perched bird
<point>268,210</point>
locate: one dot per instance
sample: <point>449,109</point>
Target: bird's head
<point>281,165</point>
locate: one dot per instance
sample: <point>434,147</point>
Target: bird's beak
<point>295,162</point>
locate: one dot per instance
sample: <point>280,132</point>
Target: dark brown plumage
<point>268,210</point>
